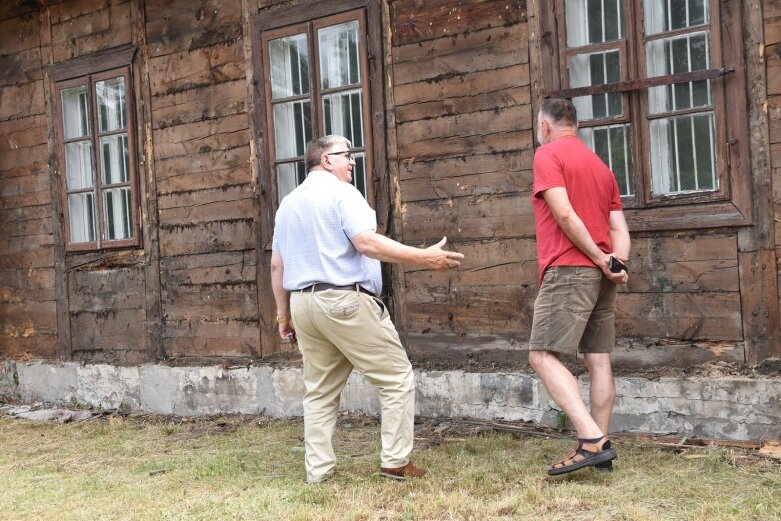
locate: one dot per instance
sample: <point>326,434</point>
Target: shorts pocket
<point>343,305</point>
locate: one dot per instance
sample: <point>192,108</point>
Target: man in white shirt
<point>325,275</point>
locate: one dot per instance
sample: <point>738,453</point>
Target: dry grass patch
<point>252,468</point>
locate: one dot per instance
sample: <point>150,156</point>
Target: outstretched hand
<point>440,259</point>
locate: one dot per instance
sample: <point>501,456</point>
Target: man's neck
<point>564,132</point>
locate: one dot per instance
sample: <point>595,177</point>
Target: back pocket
<point>343,304</point>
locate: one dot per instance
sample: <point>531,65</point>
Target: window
<point>650,80</point>
<point>317,85</point>
<point>97,160</point>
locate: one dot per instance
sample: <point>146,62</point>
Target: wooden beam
<point>756,244</point>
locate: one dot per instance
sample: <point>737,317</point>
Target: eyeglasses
<point>350,156</point>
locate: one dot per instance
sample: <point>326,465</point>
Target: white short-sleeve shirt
<point>312,232</point>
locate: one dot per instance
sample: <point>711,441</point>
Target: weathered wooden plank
<point>20,33</point>
<point>18,9</point>
<point>91,32</point>
<point>773,55</point>
<point>461,85</point>
<point>772,29</point>
<point>185,70</point>
<point>205,206</point>
<point>195,29</point>
<point>506,308</point>
<point>481,217</point>
<point>466,145</point>
<point>27,319</point>
<point>212,268</point>
<point>21,185</point>
<point>229,235</point>
<point>21,285</point>
<point>207,102</point>
<point>683,263</point>
<point>96,290</point>
<point>23,133</point>
<point>496,100</point>
<point>22,100</point>
<point>21,67</point>
<point>40,344</point>
<point>23,162</point>
<point>39,198</point>
<point>41,257</point>
<point>184,181</point>
<point>223,301</point>
<point>508,350</point>
<point>486,264</point>
<point>198,164</point>
<point>419,133</point>
<point>160,9</point>
<point>210,339</point>
<point>203,136</point>
<point>517,160</point>
<point>418,20</point>
<point>25,227</point>
<point>689,316</point>
<point>72,10</point>
<point>466,185</point>
<point>774,114</point>
<point>461,55</point>
<point>109,330</point>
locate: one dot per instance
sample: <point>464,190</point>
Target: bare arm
<point>385,249</point>
<point>619,235</point>
<point>281,295</point>
<point>569,221</point>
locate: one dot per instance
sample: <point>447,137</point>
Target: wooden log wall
<point>460,91</point>
<point>28,315</point>
<point>207,217</point>
<point>464,120</point>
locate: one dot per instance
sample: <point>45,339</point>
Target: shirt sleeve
<point>355,213</point>
<point>548,172</point>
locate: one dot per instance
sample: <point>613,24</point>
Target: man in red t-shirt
<point>580,225</point>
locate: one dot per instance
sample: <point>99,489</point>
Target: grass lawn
<point>252,468</point>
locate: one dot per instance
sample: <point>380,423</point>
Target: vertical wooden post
<point>63,349</point>
<point>756,244</point>
<point>267,337</point>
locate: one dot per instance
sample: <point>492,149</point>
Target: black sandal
<point>584,454</point>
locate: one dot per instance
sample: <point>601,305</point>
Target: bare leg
<point>563,389</point>
<point>603,388</point>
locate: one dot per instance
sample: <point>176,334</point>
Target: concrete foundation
<point>733,408</point>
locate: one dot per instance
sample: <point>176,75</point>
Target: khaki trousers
<point>338,330</point>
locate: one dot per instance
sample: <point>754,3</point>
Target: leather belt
<point>322,286</point>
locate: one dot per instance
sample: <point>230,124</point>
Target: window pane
<point>359,173</point>
<point>116,205</point>
<point>289,59</point>
<point>596,69</point>
<point>343,115</point>
<point>613,144</point>
<point>111,104</point>
<point>594,21</point>
<point>686,53</point>
<point>669,15</point>
<point>75,112</point>
<point>81,211</point>
<point>339,63</point>
<point>289,176</point>
<point>78,165</point>
<point>683,154</point>
<point>292,128</point>
<point>115,159</point>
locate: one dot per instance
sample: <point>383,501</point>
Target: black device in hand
<point>616,266</point>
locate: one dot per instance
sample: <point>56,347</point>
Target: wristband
<point>283,320</point>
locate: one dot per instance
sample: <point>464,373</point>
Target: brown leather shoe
<point>402,473</point>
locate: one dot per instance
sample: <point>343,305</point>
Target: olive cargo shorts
<point>574,312</point>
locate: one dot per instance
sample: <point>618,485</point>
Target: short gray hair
<point>317,147</point>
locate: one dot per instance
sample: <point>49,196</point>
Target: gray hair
<point>317,147</point>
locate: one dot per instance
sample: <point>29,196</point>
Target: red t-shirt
<point>592,191</point>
